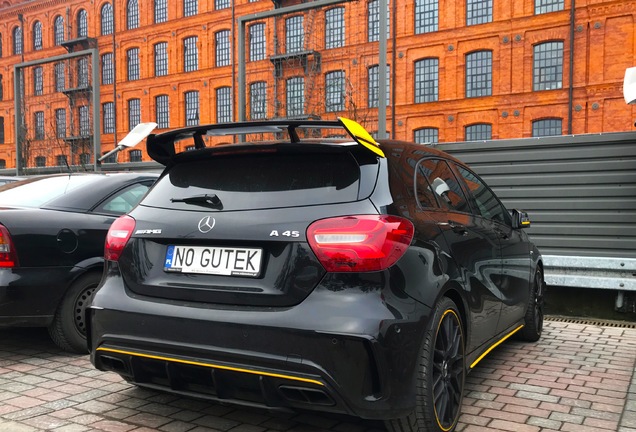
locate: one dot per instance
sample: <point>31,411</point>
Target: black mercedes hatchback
<point>300,269</point>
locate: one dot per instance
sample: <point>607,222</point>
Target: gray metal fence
<point>580,192</point>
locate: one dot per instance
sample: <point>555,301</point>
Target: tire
<point>68,329</point>
<point>533,321</point>
<point>441,376</point>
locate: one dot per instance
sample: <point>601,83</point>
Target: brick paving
<point>578,377</point>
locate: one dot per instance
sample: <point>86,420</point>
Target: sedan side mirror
<point>520,219</point>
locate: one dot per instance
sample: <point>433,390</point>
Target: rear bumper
<point>351,351</point>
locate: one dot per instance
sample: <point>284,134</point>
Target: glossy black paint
<point>359,334</point>
<point>56,243</point>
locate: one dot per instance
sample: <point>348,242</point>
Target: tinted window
<point>424,191</point>
<point>445,186</point>
<point>124,200</point>
<point>38,191</point>
<point>260,181</point>
<point>486,202</point>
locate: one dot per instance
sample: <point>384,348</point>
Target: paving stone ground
<point>578,377</point>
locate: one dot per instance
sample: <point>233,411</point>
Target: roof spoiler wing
<point>161,147</point>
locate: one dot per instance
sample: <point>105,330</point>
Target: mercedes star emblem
<point>206,224</point>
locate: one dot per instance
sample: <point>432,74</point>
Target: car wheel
<point>440,379</point>
<point>68,329</point>
<point>533,321</point>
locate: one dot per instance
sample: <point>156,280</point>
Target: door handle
<point>458,228</point>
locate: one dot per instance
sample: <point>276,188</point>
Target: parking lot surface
<point>578,377</point>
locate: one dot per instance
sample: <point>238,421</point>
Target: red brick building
<point>458,70</point>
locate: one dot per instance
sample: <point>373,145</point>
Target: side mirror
<point>520,219</point>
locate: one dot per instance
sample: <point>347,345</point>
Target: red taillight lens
<point>360,243</point>
<point>8,255</point>
<point>117,237</point>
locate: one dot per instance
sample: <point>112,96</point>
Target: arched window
<point>17,40</point>
<point>478,132</point>
<point>58,30</point>
<point>37,36</point>
<point>547,127</point>
<point>426,135</point>
<point>82,24</point>
<point>132,14</point>
<point>107,19</point>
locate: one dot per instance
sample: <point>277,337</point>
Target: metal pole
<point>17,77</point>
<point>382,71</point>
<point>97,140</point>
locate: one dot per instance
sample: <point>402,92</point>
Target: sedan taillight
<point>117,237</point>
<point>8,254</point>
<point>360,243</point>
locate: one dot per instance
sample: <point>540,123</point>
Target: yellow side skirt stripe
<point>211,365</point>
<point>495,345</point>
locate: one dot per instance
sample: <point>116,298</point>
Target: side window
<point>486,202</point>
<point>446,188</point>
<point>423,189</point>
<point>124,200</point>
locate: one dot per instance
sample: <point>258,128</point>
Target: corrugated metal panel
<point>580,191</point>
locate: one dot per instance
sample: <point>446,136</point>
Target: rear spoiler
<point>161,147</point>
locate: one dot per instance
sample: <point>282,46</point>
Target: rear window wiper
<point>206,200</point>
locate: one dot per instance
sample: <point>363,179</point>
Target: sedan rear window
<point>258,181</point>
<point>37,191</point>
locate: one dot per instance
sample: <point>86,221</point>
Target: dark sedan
<point>52,232</point>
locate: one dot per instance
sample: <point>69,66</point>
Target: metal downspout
<point>571,74</point>
<point>393,67</point>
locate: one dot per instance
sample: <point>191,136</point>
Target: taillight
<point>117,237</point>
<point>8,254</point>
<point>360,243</point>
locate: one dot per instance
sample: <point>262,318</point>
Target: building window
<point>17,40</point>
<point>257,42</point>
<point>162,110</point>
<point>39,125</point>
<point>190,54</point>
<point>223,105</point>
<point>134,113</point>
<point>110,158</point>
<point>60,160</point>
<point>547,6</point>
<point>161,59</point>
<point>335,91</point>
<point>294,34</point>
<point>134,155</point>
<point>478,132</point>
<point>427,80</point>
<point>548,66</point>
<point>84,121</point>
<point>108,108</point>
<point>373,20</point>
<point>82,72</point>
<point>60,122</point>
<point>38,81</point>
<point>40,161</point>
<point>132,58</point>
<point>60,77</point>
<point>85,159</point>
<point>2,132</point>
<point>258,100</point>
<point>334,28</point>
<point>107,19</point>
<point>108,75</point>
<point>479,74</point>
<point>426,135</point>
<point>547,127</point>
<point>132,14</point>
<point>374,85</point>
<point>190,7</point>
<point>58,30</point>
<point>37,36</point>
<point>478,12</point>
<point>426,16</point>
<point>192,108</point>
<point>82,24</point>
<point>221,4</point>
<point>295,96</point>
<point>161,11</point>
<point>222,48</point>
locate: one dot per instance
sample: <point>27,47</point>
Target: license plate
<point>214,260</point>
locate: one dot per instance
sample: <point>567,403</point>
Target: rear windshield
<point>37,191</point>
<point>242,182</point>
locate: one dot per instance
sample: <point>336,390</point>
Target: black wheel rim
<point>81,303</point>
<point>538,303</point>
<point>448,370</point>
